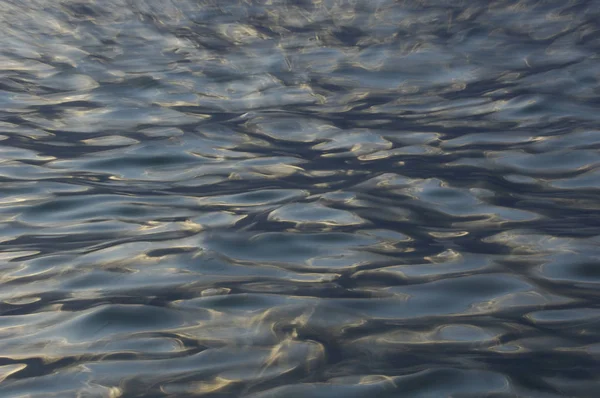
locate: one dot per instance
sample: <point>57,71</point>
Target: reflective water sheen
<point>308,198</point>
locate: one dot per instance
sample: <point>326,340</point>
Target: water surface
<point>318,198</point>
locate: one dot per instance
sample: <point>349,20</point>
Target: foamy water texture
<point>317,198</point>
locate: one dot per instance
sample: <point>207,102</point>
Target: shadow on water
<point>299,198</point>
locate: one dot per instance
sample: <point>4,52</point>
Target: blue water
<point>316,198</point>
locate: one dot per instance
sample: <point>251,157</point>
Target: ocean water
<point>316,198</point>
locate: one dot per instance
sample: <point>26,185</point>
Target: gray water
<point>319,198</point>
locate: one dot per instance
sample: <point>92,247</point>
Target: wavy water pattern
<point>314,198</point>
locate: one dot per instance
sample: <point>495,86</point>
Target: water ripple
<point>299,198</point>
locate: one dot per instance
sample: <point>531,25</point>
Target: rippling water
<point>317,198</point>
